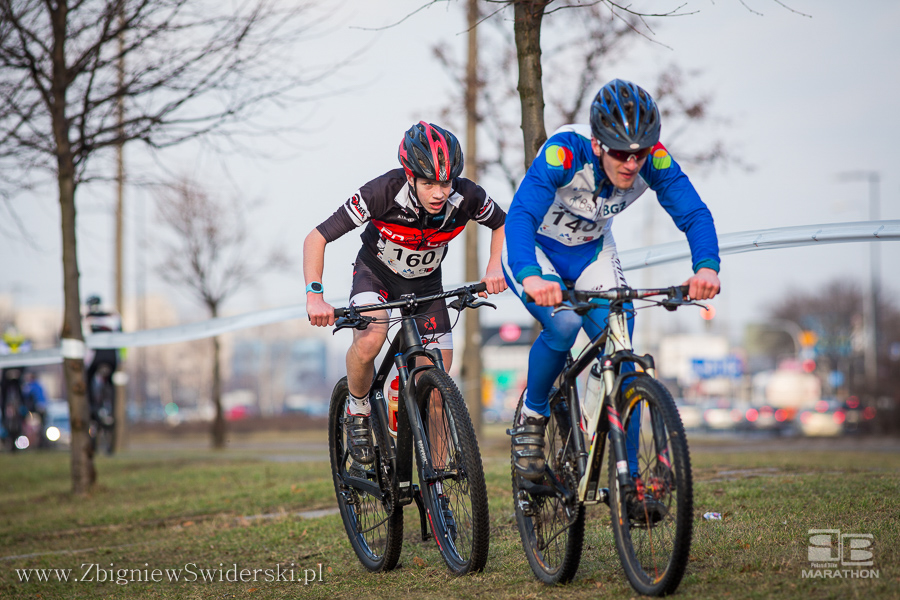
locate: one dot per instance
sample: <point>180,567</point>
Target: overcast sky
<point>807,98</point>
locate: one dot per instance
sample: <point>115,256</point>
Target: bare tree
<point>193,67</point>
<point>210,256</point>
<point>834,312</point>
<point>584,48</point>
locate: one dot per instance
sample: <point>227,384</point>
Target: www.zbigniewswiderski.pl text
<point>189,573</point>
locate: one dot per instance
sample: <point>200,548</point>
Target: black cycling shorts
<point>433,321</point>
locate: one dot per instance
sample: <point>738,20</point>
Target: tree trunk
<point>528,17</point>
<point>218,427</point>
<point>82,453</point>
<point>472,364</point>
<point>82,450</point>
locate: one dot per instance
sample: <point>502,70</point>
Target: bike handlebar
<point>626,293</point>
<point>412,300</point>
<point>622,293</point>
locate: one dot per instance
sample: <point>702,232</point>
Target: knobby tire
<point>552,531</point>
<point>104,424</point>
<point>374,527</point>
<point>456,503</point>
<point>654,544</point>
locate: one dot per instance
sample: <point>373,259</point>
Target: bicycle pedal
<point>525,505</point>
<point>603,495</point>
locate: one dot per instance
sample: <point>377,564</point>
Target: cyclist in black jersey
<point>99,319</point>
<point>410,215</point>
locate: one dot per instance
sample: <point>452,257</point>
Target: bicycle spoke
<point>375,533</point>
<point>551,530</point>
<point>655,534</point>
<point>457,497</point>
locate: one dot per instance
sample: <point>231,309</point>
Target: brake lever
<point>481,302</point>
<point>359,322</point>
<point>673,304</point>
<point>469,301</point>
<point>563,307</point>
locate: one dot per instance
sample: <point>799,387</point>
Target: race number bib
<point>568,229</point>
<point>410,263</point>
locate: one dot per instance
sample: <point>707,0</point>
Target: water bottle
<point>393,398</point>
<point>590,404</point>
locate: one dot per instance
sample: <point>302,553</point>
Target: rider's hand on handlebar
<point>321,314</point>
<point>703,285</point>
<point>544,292</point>
<point>495,282</point>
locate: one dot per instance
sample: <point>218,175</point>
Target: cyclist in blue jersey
<point>558,232</point>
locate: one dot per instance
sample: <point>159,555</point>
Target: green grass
<point>197,509</point>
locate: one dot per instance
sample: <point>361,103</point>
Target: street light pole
<point>870,309</point>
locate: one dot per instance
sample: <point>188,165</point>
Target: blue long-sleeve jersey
<point>565,205</point>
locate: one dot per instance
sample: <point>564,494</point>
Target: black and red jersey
<point>400,235</point>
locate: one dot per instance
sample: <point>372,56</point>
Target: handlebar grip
<point>340,312</point>
<point>479,287</point>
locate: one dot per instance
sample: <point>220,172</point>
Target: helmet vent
<point>630,112</point>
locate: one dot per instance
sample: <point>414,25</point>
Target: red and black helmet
<point>430,152</point>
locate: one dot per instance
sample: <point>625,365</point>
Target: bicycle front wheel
<point>456,500</point>
<point>551,528</point>
<point>374,522</point>
<point>652,522</point>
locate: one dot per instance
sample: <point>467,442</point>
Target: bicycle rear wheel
<point>374,525</point>
<point>552,529</point>
<point>105,438</point>
<point>456,501</point>
<point>652,523</point>
<point>12,418</point>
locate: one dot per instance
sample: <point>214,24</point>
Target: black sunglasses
<point>626,155</point>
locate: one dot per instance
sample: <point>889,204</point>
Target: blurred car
<point>721,415</point>
<point>768,418</point>
<point>825,419</point>
<point>691,415</point>
<point>57,430</point>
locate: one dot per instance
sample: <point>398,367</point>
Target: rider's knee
<point>367,347</point>
<point>560,335</point>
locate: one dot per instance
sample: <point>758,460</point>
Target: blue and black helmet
<point>624,116</point>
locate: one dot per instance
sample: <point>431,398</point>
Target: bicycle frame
<point>615,347</point>
<point>405,348</point>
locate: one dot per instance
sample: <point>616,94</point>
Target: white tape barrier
<point>768,239</point>
<point>733,243</point>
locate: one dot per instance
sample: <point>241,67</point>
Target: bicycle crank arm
<point>423,518</point>
<point>554,489</point>
<point>363,485</point>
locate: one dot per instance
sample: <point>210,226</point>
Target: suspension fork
<point>411,436</point>
<point>660,439</point>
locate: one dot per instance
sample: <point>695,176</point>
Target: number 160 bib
<point>410,263</point>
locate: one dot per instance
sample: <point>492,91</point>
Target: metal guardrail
<point>732,243</point>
